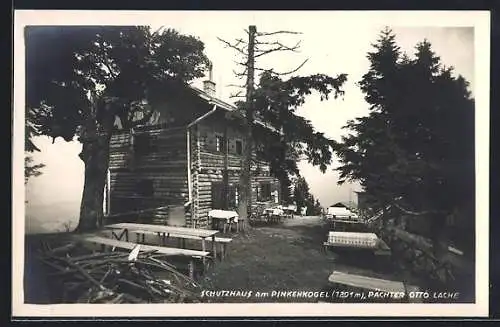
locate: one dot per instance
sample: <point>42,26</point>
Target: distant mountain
<point>49,218</point>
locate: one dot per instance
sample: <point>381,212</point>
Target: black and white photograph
<point>289,163</point>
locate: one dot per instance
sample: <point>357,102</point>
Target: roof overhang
<point>230,108</point>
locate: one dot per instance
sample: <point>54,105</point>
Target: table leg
<point>121,234</point>
<point>191,268</point>
<point>203,248</point>
<point>214,247</point>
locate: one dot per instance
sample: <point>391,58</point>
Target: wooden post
<point>245,178</point>
<point>225,173</point>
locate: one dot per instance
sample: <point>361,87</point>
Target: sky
<point>333,43</point>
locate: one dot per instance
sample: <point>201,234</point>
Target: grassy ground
<point>283,257</point>
<point>286,257</point>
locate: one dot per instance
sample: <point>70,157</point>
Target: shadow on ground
<point>288,257</point>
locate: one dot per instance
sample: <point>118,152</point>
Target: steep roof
<point>228,107</point>
<point>344,204</point>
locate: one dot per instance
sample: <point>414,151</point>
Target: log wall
<point>148,174</point>
<point>208,167</point>
<point>154,174</point>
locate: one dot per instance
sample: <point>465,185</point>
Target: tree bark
<point>245,203</point>
<point>95,137</point>
<point>95,155</point>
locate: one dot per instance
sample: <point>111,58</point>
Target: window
<point>144,187</point>
<point>239,147</point>
<point>233,196</point>
<point>218,198</point>
<point>219,143</point>
<point>265,192</point>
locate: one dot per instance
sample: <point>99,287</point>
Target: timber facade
<point>188,158</point>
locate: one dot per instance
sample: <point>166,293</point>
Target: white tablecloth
<point>224,214</point>
<point>275,211</point>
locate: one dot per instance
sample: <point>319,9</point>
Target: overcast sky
<point>333,43</point>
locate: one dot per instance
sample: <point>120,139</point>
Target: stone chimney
<point>209,85</point>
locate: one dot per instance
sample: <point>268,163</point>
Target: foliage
<point>30,169</point>
<point>415,149</point>
<point>82,78</point>
<point>276,101</point>
<point>71,69</point>
<point>303,197</point>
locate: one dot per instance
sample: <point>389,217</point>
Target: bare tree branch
<point>277,32</point>
<point>293,71</point>
<point>280,47</point>
<point>234,46</point>
<point>240,63</point>
<point>239,75</point>
<point>237,95</point>
<point>414,213</point>
<point>272,71</point>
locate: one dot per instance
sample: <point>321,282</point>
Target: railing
<point>415,253</point>
<point>159,216</point>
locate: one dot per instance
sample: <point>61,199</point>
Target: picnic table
<point>164,232</point>
<point>353,240</point>
<point>167,251</point>
<point>365,283</point>
<point>274,214</point>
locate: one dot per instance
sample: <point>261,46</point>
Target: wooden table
<point>108,242</point>
<point>341,224</point>
<point>274,214</point>
<point>163,232</point>
<point>227,216</point>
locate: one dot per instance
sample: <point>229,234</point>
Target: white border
<point>480,20</point>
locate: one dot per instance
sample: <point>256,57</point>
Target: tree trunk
<point>95,155</point>
<point>245,203</point>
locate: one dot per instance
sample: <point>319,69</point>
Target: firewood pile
<point>116,277</point>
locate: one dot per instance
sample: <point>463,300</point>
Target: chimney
<point>209,85</point>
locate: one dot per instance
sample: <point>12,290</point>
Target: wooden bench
<point>163,232</point>
<point>223,241</point>
<point>381,250</point>
<point>108,242</point>
<point>372,284</point>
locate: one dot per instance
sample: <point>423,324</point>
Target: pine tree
<point>415,149</point>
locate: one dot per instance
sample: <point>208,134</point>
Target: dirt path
<point>283,257</point>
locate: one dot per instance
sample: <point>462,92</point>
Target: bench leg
<point>203,248</point>
<point>214,247</point>
<point>191,268</point>
<point>223,254</point>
